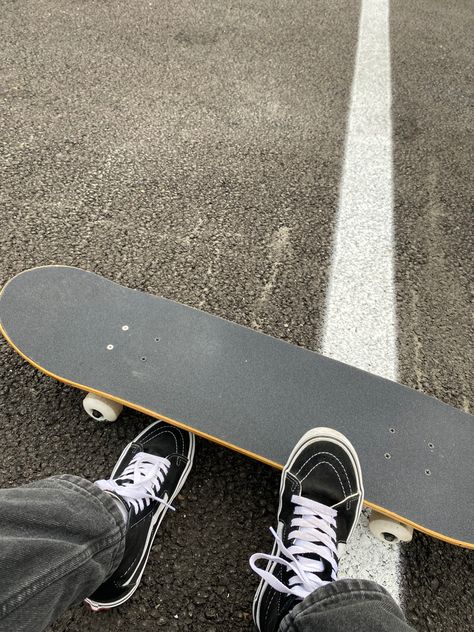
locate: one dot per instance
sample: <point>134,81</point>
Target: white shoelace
<point>313,532</point>
<point>140,481</point>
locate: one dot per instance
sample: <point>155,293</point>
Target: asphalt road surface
<point>195,150</point>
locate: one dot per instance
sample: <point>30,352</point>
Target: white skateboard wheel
<point>388,530</point>
<point>100,408</point>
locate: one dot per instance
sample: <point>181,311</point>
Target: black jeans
<point>347,605</point>
<point>60,538</point>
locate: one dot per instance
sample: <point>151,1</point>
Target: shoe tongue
<point>122,482</point>
<point>326,574</point>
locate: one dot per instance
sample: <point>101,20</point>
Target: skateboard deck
<point>245,390</point>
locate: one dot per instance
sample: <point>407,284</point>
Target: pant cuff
<point>97,495</point>
<point>336,594</point>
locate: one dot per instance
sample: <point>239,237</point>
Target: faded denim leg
<point>60,539</point>
<point>347,605</point>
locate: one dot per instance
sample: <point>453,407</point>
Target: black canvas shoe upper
<point>321,497</point>
<point>148,475</point>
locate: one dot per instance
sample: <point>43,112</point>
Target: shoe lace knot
<point>140,482</point>
<point>312,553</point>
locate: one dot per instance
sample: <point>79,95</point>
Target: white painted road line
<point>360,325</point>
<point>360,319</point>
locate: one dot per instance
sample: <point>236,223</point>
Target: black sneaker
<point>321,498</point>
<point>148,475</point>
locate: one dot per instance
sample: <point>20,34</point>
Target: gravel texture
<point>194,150</point>
<point>432,60</point>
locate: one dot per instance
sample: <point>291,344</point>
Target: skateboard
<point>245,390</point>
